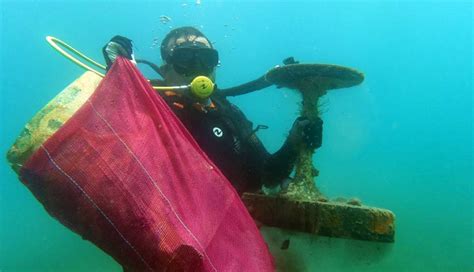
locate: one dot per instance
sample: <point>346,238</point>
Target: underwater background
<point>402,140</point>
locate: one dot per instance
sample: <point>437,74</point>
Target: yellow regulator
<point>202,87</point>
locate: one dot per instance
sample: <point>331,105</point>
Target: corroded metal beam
<point>331,219</point>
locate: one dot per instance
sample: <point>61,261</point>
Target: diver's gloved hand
<point>118,46</point>
<point>307,132</point>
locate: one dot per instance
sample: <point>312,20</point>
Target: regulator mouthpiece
<point>202,87</point>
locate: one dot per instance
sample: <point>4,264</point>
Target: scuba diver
<point>222,131</point>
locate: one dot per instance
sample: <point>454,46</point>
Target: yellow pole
<point>53,42</point>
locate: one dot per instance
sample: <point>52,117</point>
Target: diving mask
<point>193,59</point>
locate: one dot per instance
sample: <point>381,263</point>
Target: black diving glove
<point>309,133</point>
<point>118,46</point>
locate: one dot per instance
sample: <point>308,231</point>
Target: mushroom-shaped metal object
<point>313,81</point>
<point>303,208</point>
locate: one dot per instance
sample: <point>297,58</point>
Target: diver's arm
<point>271,169</point>
<point>254,85</point>
<point>278,166</point>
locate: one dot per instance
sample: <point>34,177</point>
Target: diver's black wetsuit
<point>227,137</point>
<point>222,131</point>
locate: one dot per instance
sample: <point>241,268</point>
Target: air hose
<point>201,86</point>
